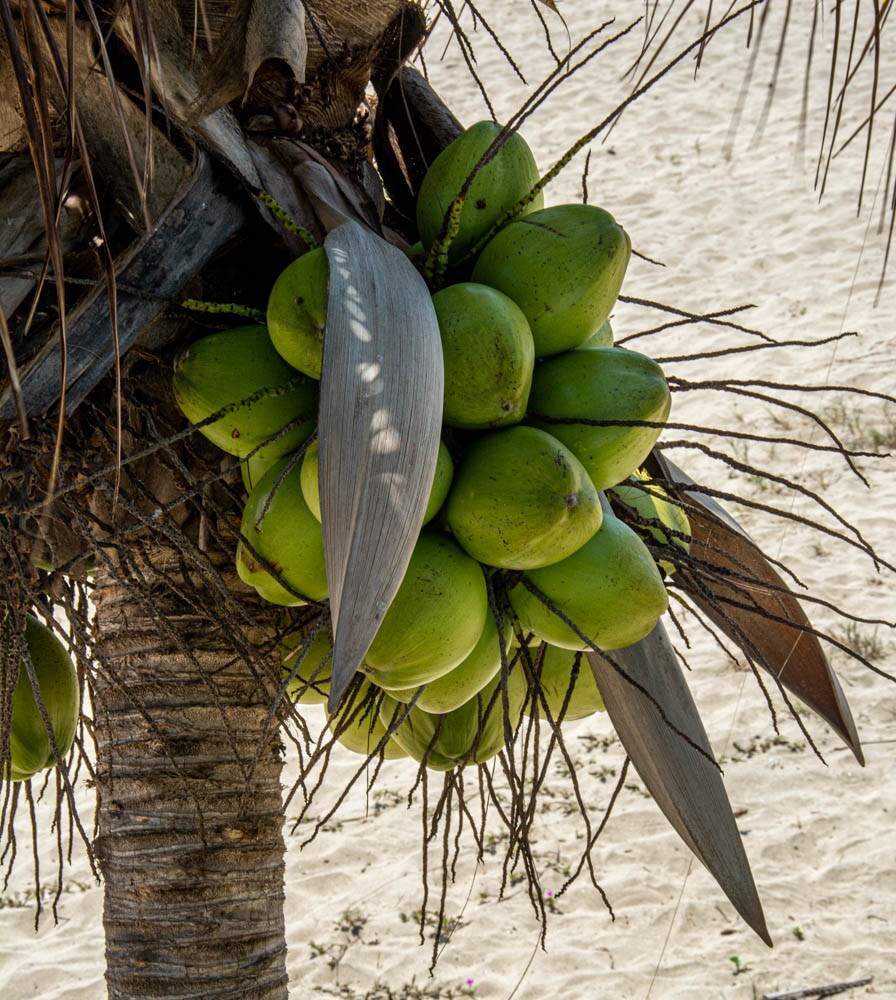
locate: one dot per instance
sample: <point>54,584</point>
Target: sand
<point>732,226</point>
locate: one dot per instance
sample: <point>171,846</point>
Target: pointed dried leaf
<point>380,419</point>
<point>684,783</point>
<point>794,656</point>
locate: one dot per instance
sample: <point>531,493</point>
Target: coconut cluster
<point>544,422</point>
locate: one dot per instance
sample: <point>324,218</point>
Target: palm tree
<point>156,153</point>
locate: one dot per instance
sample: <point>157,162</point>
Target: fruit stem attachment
<point>228,308</point>
<point>289,223</point>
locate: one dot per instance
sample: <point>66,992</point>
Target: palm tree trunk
<point>190,846</point>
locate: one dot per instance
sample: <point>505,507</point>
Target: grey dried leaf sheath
<point>381,399</point>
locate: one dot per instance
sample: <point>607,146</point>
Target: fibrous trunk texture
<point>190,817</point>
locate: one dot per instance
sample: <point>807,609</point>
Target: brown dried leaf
<point>745,610</point>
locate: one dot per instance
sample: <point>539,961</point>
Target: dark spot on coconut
<point>235,433</point>
<point>300,300</point>
<point>572,501</point>
<point>480,204</point>
<point>506,406</point>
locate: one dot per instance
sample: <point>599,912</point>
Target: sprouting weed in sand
<point>448,925</point>
<point>865,642</point>
<point>349,926</point>
<point>740,966</point>
<point>407,991</point>
<point>798,933</point>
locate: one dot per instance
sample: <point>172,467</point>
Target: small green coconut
<point>307,663</point>
<point>356,724</point>
<point>603,338</point>
<point>30,750</point>
<point>258,463</point>
<point>494,191</point>
<point>603,386</point>
<point>229,368</point>
<point>470,734</point>
<point>289,538</point>
<point>521,499</point>
<point>441,483</point>
<point>563,266</point>
<point>468,678</point>
<point>489,356</point>
<point>651,502</point>
<point>610,588</point>
<point>435,619</point>
<point>297,312</point>
<point>562,669</point>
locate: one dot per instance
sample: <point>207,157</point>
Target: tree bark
<point>190,811</point>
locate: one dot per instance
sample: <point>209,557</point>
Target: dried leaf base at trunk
<point>191,853</point>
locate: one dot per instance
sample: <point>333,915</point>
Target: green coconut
<point>289,538</point>
<point>605,385</point>
<point>357,726</point>
<point>521,499</point>
<point>557,669</point>
<point>495,190</point>
<point>309,680</point>
<point>470,734</point>
<point>297,312</point>
<point>468,678</point>
<point>489,355</point>
<point>610,588</point>
<point>257,464</point>
<point>441,483</point>
<point>231,367</point>
<point>435,619</point>
<point>563,266</point>
<point>651,502</point>
<point>30,750</point>
<point>603,338</point>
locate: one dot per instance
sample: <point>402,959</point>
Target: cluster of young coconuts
<point>542,415</point>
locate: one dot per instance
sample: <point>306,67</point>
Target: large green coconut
<point>297,311</point>
<point>563,266</point>
<point>435,619</point>
<point>307,664</point>
<point>610,588</point>
<point>30,750</point>
<point>651,502</point>
<point>441,482</point>
<point>521,499</point>
<point>489,355</point>
<point>357,726</point>
<point>558,668</point>
<point>494,191</point>
<point>471,734</point>
<point>289,538</point>
<point>604,386</point>
<point>468,678</point>
<point>232,366</point>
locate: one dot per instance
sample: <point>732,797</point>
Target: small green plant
<point>740,967</point>
<point>449,924</point>
<point>798,933</point>
<point>866,643</point>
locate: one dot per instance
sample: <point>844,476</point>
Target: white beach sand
<point>731,230</point>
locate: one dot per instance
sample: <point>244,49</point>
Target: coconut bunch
<point>545,428</point>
